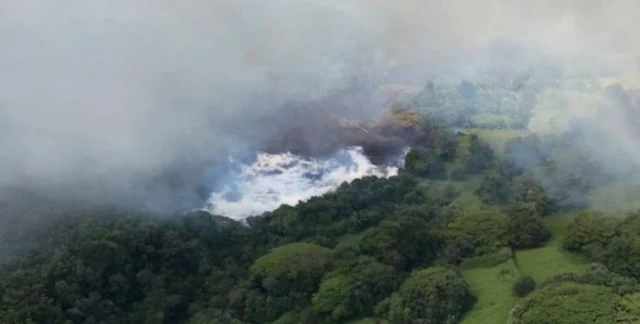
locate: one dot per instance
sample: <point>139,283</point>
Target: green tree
<point>481,156</point>
<point>424,163</point>
<point>590,233</point>
<point>295,267</point>
<point>407,239</point>
<point>526,190</point>
<point>332,299</point>
<point>433,295</point>
<point>525,226</point>
<point>355,290</point>
<point>622,255</point>
<point>487,230</point>
<point>494,189</point>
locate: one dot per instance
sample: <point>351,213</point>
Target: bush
<point>523,286</point>
<point>590,233</point>
<point>481,156</point>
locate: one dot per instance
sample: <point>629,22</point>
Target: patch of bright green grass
<point>550,259</point>
<point>492,287</point>
<point>469,201</point>
<point>547,261</point>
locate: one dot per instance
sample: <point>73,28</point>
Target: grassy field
<point>544,262</point>
<point>466,199</point>
<point>492,286</point>
<point>551,259</point>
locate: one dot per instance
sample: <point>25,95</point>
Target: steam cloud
<point>132,101</point>
<point>276,179</point>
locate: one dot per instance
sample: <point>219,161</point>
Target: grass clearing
<point>492,287</point>
<point>546,261</point>
<point>468,200</point>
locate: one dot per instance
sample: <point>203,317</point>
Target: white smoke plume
<point>276,179</point>
<point>103,98</point>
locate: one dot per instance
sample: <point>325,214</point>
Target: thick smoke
<point>132,101</point>
<point>276,179</point>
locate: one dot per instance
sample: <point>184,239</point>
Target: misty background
<point>133,103</point>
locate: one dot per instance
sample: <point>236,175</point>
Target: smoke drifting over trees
<point>508,117</point>
<point>103,99</point>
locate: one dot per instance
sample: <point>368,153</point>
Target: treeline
<point>287,266</point>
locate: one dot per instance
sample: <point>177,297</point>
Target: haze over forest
<point>298,161</point>
<point>98,99</point>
